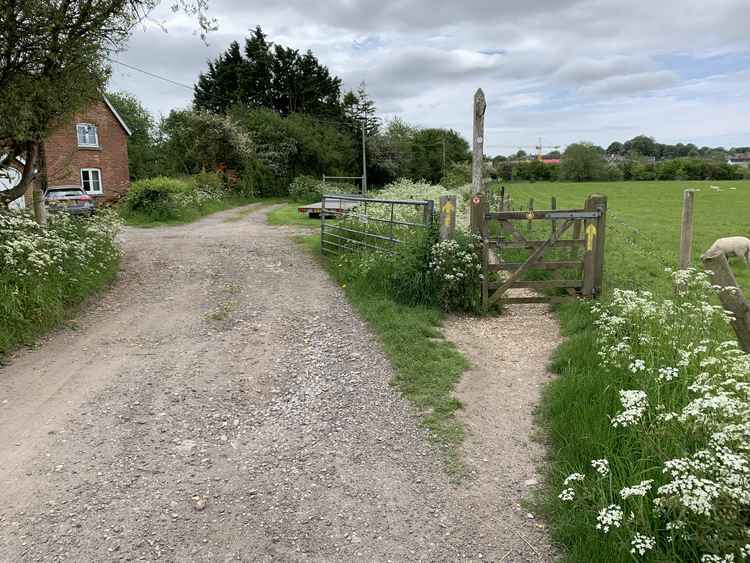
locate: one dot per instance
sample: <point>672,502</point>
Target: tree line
<point>265,114</point>
<point>583,162</point>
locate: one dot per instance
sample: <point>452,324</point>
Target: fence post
<point>480,106</point>
<point>447,216</point>
<point>531,212</point>
<point>478,227</point>
<point>553,206</point>
<point>429,211</point>
<point>686,230</point>
<point>730,295</point>
<point>593,258</point>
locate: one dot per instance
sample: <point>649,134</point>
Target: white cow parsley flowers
<point>610,516</point>
<point>574,477</point>
<point>634,403</point>
<point>641,544</point>
<point>567,495</point>
<point>601,466</point>
<point>639,490</point>
<point>679,447</point>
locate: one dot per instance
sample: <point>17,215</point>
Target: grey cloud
<point>632,84</point>
<point>586,69</point>
<point>550,68</point>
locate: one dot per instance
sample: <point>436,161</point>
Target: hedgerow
<point>45,271</point>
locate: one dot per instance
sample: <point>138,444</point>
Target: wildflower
<point>634,403</point>
<point>639,490</point>
<point>574,477</point>
<point>641,544</point>
<point>567,495</point>
<point>610,516</point>
<point>601,466</point>
<point>637,365</point>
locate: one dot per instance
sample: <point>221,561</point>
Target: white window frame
<point>101,183</point>
<point>95,144</point>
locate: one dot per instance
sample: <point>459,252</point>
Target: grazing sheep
<point>737,246</point>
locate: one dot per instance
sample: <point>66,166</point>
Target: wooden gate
<point>580,231</point>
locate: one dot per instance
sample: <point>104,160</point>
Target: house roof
<point>120,120</point>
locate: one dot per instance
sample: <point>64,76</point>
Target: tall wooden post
<point>593,258</point>
<point>686,230</point>
<point>447,216</point>
<point>478,227</point>
<point>480,106</point>
<point>730,295</point>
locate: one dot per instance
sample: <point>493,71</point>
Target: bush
<point>456,270</point>
<point>306,189</point>
<point>168,199</point>
<point>457,175</point>
<point>155,198</point>
<point>43,272</point>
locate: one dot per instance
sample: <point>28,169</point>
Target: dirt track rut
<point>223,402</point>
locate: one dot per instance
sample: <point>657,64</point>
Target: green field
<point>643,223</point>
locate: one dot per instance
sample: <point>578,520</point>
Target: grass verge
<point>427,366</point>
<point>188,215</point>
<point>47,285</point>
<point>642,239</point>
<point>289,214</point>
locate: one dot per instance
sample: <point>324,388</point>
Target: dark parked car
<point>70,199</point>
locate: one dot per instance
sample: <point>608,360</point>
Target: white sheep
<point>729,246</point>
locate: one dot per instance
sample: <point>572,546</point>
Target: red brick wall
<point>65,158</point>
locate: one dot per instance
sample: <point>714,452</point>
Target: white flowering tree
<point>53,62</point>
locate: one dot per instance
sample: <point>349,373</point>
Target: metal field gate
<point>511,243</point>
<point>356,223</point>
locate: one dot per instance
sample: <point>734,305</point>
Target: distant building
<point>739,160</point>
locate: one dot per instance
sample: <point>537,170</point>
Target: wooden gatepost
<point>580,230</point>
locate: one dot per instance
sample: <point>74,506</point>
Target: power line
<point>151,74</point>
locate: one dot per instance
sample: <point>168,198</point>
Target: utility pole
<point>364,160</point>
<point>444,154</point>
<point>480,106</point>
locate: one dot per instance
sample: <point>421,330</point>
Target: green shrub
<point>44,272</point>
<point>306,189</point>
<point>456,269</point>
<point>156,198</point>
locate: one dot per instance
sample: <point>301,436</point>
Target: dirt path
<point>223,402</point>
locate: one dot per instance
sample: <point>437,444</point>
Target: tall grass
<point>46,272</point>
<point>642,240</point>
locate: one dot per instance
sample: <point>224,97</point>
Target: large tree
<point>142,153</point>
<point>54,62</point>
<point>582,162</point>
<point>360,108</point>
<point>268,76</point>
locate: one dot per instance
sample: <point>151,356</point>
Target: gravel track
<point>223,402</point>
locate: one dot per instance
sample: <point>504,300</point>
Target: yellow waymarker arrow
<point>590,234</point>
<point>448,210</point>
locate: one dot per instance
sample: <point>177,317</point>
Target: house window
<point>91,180</point>
<point>87,135</point>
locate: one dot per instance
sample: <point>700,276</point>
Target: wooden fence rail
<point>586,226</point>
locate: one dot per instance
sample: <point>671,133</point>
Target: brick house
<point>90,151</point>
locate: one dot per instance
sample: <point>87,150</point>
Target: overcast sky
<point>563,70</point>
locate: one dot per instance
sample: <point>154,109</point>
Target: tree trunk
<point>30,151</point>
<point>40,188</point>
